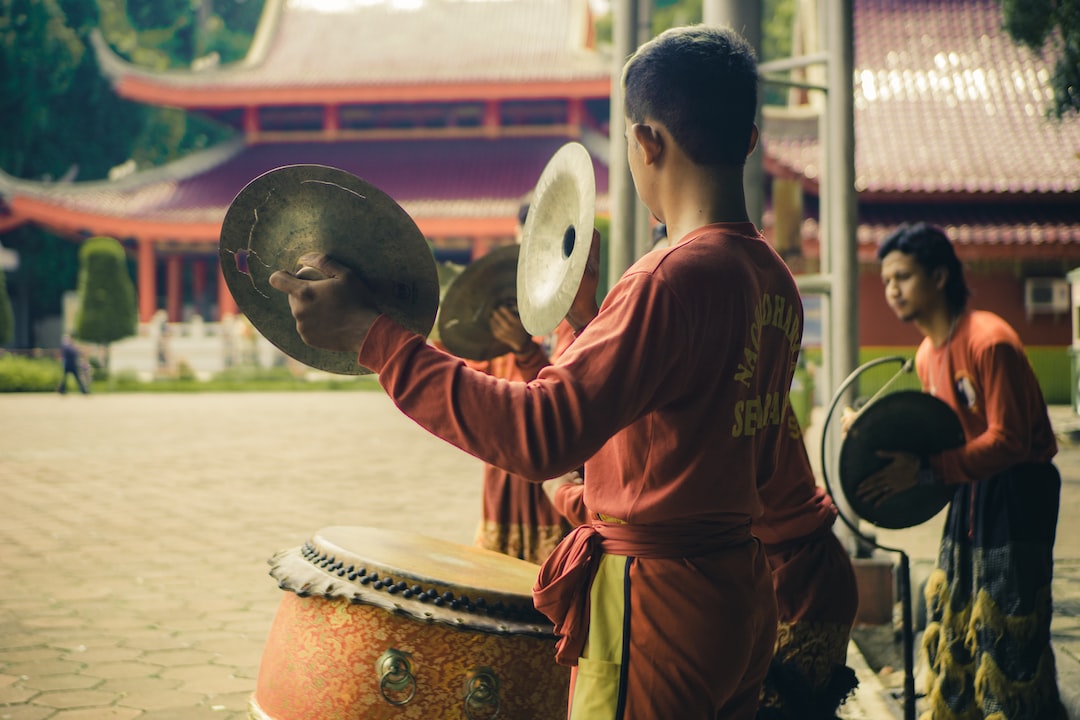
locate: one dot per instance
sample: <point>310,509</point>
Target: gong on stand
<point>909,421</point>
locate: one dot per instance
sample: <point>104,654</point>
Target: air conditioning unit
<point>1046,295</point>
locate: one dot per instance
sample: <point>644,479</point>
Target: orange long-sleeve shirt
<point>984,375</point>
<point>794,505</point>
<point>675,394</point>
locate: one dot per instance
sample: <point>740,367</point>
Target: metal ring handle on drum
<point>395,675</point>
<point>482,693</point>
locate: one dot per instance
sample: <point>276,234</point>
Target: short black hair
<point>931,248</point>
<point>701,82</point>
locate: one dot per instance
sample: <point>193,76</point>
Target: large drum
<point>384,624</point>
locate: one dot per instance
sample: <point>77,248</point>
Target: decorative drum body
<point>385,624</point>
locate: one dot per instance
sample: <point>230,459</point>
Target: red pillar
<point>331,120</point>
<point>198,286</point>
<point>226,303</point>
<point>251,120</point>
<point>147,280</point>
<point>174,287</point>
<point>576,116</point>
<point>491,118</point>
<point>480,247</point>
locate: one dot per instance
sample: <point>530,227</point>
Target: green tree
<point>1051,27</point>
<point>39,59</point>
<point>107,310</point>
<point>776,23</point>
<point>62,120</point>
<point>7,317</point>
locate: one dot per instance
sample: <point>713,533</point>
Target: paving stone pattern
<point>136,529</point>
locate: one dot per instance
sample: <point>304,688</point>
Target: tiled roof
<point>304,43</point>
<point>428,178</point>
<point>1048,228</point>
<point>946,102</point>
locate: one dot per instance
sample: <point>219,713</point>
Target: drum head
<point>911,421</point>
<point>429,579</point>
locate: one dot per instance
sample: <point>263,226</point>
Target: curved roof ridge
<point>174,171</point>
<point>303,44</point>
<point>265,32</point>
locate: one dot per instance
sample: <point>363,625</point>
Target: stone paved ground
<point>134,533</point>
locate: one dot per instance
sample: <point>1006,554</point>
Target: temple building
<point>457,134</point>
<point>951,126</point>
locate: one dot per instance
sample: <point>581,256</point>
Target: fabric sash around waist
<point>562,588</point>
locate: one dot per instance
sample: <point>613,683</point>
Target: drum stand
<point>903,580</point>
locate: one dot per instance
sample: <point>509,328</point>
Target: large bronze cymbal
<point>298,209</point>
<point>911,421</point>
<point>556,238</point>
<point>484,284</point>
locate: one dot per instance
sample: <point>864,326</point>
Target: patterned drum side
<point>338,649</point>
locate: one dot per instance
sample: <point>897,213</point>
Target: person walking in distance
<point>71,359</point>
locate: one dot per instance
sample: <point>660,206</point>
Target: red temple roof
<point>948,109</point>
<point>436,181</point>
<point>980,230</point>
<point>310,51</point>
<point>945,103</point>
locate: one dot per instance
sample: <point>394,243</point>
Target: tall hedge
<point>7,317</point>
<point>107,309</point>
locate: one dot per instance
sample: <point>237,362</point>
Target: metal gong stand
<point>904,578</point>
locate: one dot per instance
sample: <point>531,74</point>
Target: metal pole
<point>621,191</point>
<point>642,215</point>
<point>838,203</point>
<point>745,18</point>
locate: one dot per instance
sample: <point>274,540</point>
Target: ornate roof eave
<point>42,203</point>
<point>776,168</point>
<point>73,222</point>
<point>185,167</point>
<point>242,84</point>
<point>69,221</point>
<point>147,90</point>
<point>142,205</point>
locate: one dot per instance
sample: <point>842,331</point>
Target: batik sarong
<point>987,641</point>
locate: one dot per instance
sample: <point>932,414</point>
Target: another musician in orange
<point>517,518</point>
<point>816,594</point>
<point>672,397</point>
<point>987,642</point>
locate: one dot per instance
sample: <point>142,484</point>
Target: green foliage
<point>7,317</point>
<point>1052,368</point>
<point>683,12</point>
<point>39,59</point>
<point>107,310</point>
<point>48,266</point>
<point>1050,28</point>
<point>777,22</point>
<point>162,34</point>
<point>21,374</point>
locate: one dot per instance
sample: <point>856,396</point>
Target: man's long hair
<point>931,248</point>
